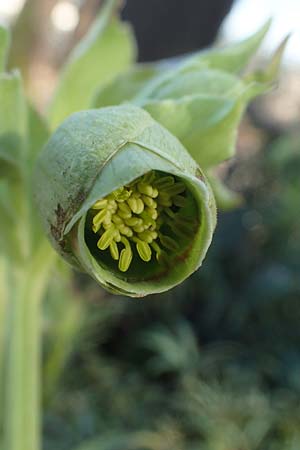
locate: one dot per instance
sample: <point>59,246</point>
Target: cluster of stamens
<point>134,215</point>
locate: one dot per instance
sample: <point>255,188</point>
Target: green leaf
<point>38,132</point>
<point>204,81</point>
<point>125,87</point>
<point>226,199</point>
<point>147,82</point>
<point>4,45</point>
<point>107,50</point>
<point>264,79</point>
<point>13,123</point>
<point>206,125</point>
<point>9,239</point>
<point>235,57</point>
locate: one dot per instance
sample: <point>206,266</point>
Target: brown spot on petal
<point>57,227</point>
<point>199,175</point>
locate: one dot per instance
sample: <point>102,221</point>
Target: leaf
<point>206,125</point>
<point>125,86</point>
<point>107,50</point>
<point>235,57</point>
<point>4,45</point>
<point>38,132</point>
<point>203,108</point>
<point>8,233</point>
<point>226,199</point>
<point>195,82</point>
<point>13,123</point>
<point>264,79</point>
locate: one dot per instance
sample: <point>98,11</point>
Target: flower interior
<point>141,228</point>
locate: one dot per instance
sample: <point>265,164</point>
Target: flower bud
<point>121,199</point>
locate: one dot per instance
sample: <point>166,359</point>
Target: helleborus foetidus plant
<point>101,163</point>
<point>123,199</point>
<point>124,186</point>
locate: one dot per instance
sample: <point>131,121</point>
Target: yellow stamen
<point>131,215</point>
<point>106,238</point>
<point>100,204</point>
<point>98,219</point>
<point>125,256</point>
<point>114,251</point>
<point>143,250</point>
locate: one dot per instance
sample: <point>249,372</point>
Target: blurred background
<point>215,363</point>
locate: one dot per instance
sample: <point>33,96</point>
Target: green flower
<point>121,199</point>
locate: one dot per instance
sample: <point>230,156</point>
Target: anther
<point>100,204</point>
<point>168,242</point>
<point>143,250</point>
<point>114,251</point>
<point>164,182</point>
<point>125,256</point>
<point>179,201</point>
<point>106,238</point>
<point>98,219</point>
<point>176,189</point>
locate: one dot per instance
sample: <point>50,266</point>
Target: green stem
<point>3,329</point>
<point>23,417</point>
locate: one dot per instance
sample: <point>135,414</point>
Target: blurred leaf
<point>4,45</point>
<point>226,198</point>
<point>262,80</point>
<point>198,99</point>
<point>38,131</point>
<point>234,57</point>
<point>125,86</point>
<point>107,50</point>
<point>174,351</point>
<point>13,123</point>
<point>7,223</point>
<point>206,125</point>
<point>109,441</point>
<point>197,81</point>
<point>69,315</point>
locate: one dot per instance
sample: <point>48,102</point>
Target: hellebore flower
<point>121,199</point>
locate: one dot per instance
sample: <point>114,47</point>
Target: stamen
<point>176,189</point>
<point>98,219</point>
<point>100,204</point>
<point>133,221</point>
<point>179,201</point>
<point>168,242</point>
<point>125,256</point>
<point>114,251</point>
<point>106,238</point>
<point>131,215</point>
<point>145,188</point>
<point>164,182</point>
<point>143,250</point>
<point>164,199</point>
<point>149,201</point>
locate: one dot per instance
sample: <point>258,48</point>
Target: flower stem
<point>22,385</point>
<point>3,329</point>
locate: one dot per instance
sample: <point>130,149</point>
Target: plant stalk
<point>22,428</point>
